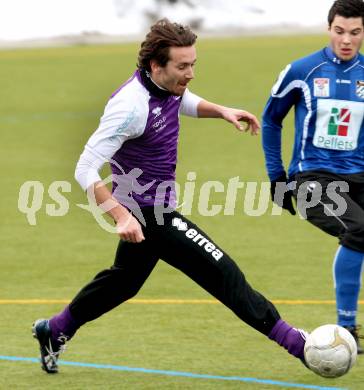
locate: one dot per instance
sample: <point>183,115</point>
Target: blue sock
<point>347,279</point>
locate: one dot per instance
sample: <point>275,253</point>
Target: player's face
<point>346,36</point>
<point>178,71</point>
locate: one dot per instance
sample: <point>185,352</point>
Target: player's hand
<point>129,229</point>
<point>235,117</point>
<point>281,194</point>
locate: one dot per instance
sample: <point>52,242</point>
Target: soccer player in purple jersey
<point>138,135</point>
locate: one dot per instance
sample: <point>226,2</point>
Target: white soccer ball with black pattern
<point>330,351</point>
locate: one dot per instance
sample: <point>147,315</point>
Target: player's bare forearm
<point>128,227</point>
<point>107,202</point>
<point>207,109</point>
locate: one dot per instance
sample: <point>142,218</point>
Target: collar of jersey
<point>151,86</point>
<point>333,58</point>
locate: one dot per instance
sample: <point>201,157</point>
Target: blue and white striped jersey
<point>328,96</point>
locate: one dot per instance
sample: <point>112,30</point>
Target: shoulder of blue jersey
<point>305,65</point>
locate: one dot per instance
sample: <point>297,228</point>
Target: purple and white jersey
<point>138,135</point>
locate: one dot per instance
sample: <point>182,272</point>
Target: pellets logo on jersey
<point>198,238</point>
<point>360,88</point>
<point>339,122</point>
<point>321,87</point>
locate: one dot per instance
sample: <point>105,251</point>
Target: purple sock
<point>288,337</point>
<point>63,326</point>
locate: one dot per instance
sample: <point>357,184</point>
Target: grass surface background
<point>51,101</point>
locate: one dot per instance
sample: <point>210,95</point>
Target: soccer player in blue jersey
<point>138,135</point>
<point>326,173</point>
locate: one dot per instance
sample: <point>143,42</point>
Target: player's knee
<point>354,238</point>
<point>128,285</point>
<point>132,292</point>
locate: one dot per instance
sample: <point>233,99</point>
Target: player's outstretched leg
<point>200,258</point>
<point>292,339</point>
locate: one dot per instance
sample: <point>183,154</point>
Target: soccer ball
<point>330,351</point>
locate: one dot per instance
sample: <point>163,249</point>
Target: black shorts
<point>183,245</point>
<point>334,203</point>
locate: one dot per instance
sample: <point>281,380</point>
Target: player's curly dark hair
<point>347,9</point>
<point>163,35</point>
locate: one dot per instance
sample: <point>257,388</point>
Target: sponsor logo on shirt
<point>341,81</point>
<point>159,125</point>
<point>337,130</point>
<point>198,238</point>
<point>157,111</point>
<point>339,121</point>
<point>360,88</point>
<point>338,124</point>
<point>321,87</point>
